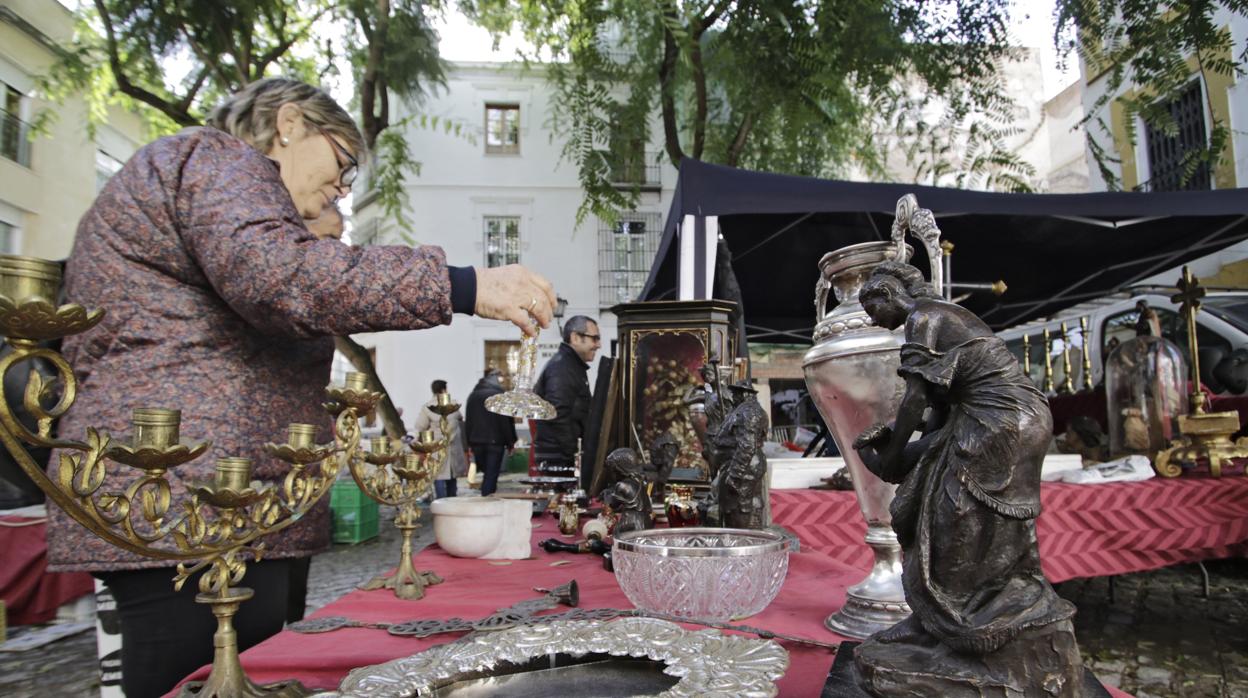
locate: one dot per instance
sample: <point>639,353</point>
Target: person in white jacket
<point>455,464</point>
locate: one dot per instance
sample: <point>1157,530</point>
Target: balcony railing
<point>641,170</point>
<point>14,138</point>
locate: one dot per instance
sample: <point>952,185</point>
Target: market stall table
<point>31,593</point>
<point>1084,530</point>
<point>815,586</point>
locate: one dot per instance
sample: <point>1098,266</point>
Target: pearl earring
<point>285,140</point>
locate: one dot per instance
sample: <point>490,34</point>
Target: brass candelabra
<point>1206,435</point>
<point>388,476</point>
<point>217,531</point>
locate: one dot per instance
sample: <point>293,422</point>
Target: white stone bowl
<point>468,526</point>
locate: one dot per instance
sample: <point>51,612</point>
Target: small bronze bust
<point>965,512</point>
<point>628,497</point>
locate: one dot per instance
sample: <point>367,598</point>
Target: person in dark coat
<point>490,435</point>
<point>564,383</point>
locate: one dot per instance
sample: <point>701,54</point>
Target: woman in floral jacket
<point>222,304</point>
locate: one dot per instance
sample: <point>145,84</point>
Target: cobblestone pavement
<point>1157,638</point>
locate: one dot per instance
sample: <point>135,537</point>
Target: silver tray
<point>702,662</point>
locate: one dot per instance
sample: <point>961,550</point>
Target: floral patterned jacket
<point>220,303</point>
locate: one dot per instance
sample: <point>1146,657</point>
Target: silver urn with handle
<point>851,373</point>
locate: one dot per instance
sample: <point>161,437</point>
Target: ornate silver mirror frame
<point>707,662</point>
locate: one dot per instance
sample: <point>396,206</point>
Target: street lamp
<point>561,308</point>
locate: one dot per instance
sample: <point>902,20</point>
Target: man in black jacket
<point>489,435</point>
<point>564,383</point>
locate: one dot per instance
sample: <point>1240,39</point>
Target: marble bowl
<point>482,527</point>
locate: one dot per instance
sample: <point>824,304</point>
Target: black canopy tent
<point>1052,250</point>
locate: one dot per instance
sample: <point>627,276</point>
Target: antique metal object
<point>965,512</point>
<point>628,498</point>
<point>521,401</point>
<point>220,529</point>
<point>1206,436</point>
<point>569,514</point>
<point>1068,381</point>
<point>1027,355</point>
<point>1048,363</point>
<point>1087,354</point>
<point>851,373</point>
<point>681,510</point>
<point>705,662</point>
<point>740,481</point>
<point>388,476</point>
<point>715,573</point>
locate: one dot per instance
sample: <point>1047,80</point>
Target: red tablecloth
<point>32,594</point>
<point>815,587</point>
<point>1084,530</point>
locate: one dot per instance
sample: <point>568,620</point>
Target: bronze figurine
<point>628,497</point>
<point>738,448</point>
<point>964,513</point>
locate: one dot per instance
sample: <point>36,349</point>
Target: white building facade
<point>47,183</point>
<point>503,195</point>
<point>1153,161</point>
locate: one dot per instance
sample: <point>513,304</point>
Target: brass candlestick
<point>1205,434</point>
<point>1048,363</point>
<point>390,477</point>
<point>1027,356</point>
<point>218,530</point>
<point>1068,381</point>
<point>1087,356</point>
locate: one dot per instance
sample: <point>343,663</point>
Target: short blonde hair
<point>251,113</point>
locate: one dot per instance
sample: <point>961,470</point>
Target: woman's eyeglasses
<point>349,169</point>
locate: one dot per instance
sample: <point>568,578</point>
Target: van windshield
<point>1233,309</point>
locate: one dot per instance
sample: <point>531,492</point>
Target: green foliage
<point>123,53</point>
<point>1147,44</point>
<point>779,85</point>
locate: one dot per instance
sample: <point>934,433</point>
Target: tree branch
<point>717,11</point>
<point>359,358</point>
<point>189,97</point>
<point>699,90</point>
<point>180,116</point>
<point>667,75</point>
<point>738,141</point>
<point>373,78</point>
<point>284,45</point>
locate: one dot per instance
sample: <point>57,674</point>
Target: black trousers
<point>166,635</point>
<point>490,462</point>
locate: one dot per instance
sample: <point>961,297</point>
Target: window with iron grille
<point>626,250</point>
<point>1168,154</point>
<point>502,129</point>
<point>502,240</point>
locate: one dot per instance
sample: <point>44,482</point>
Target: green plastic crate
<point>518,461</point>
<point>355,515</point>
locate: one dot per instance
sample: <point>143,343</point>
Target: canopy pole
<point>699,243</point>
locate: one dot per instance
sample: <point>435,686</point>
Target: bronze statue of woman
<point>983,613</point>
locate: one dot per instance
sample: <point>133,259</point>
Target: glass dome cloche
<point>1145,391</point>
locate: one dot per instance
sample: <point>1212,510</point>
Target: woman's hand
<point>514,293</point>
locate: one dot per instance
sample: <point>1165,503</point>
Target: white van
<point>1222,327</point>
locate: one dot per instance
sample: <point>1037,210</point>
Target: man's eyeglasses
<point>347,171</point>
<point>593,337</point>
